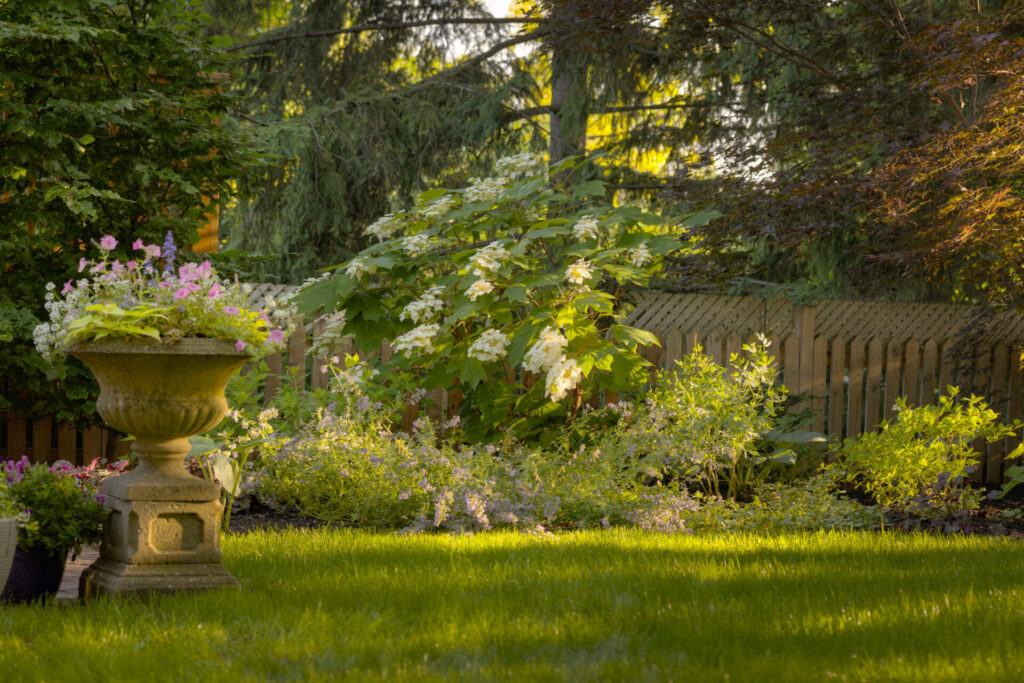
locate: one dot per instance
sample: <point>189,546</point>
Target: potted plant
<point>162,340</point>
<point>9,518</point>
<point>58,512</point>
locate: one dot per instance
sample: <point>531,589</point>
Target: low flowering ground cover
<point>621,604</point>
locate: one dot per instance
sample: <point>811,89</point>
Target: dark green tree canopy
<point>114,122</point>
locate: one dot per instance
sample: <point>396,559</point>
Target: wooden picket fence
<point>853,359</point>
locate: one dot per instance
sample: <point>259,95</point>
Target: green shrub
<point>806,505</point>
<point>700,424</point>
<point>918,463</point>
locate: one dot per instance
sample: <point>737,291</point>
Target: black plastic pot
<point>35,574</point>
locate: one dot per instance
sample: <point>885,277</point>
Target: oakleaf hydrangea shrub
<point>700,423</point>
<point>513,271</point>
<point>918,464</point>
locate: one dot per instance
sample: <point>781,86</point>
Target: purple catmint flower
<point>169,251</point>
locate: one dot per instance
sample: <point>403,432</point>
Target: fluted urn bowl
<point>160,393</point>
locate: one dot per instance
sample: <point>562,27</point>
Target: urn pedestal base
<point>159,546</point>
<point>109,577</point>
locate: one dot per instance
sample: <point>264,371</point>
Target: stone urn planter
<point>8,545</point>
<point>163,532</point>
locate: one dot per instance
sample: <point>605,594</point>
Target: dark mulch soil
<point>258,516</point>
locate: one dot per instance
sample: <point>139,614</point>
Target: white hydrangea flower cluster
<point>358,267</point>
<point>640,256</point>
<point>478,289</point>
<point>578,272</point>
<point>586,228</point>
<point>563,374</point>
<point>384,227</point>
<point>562,378</point>
<point>414,245</point>
<point>485,189</point>
<point>424,308</point>
<point>418,338</point>
<point>488,259</point>
<point>490,345</point>
<point>546,352</point>
<point>438,208</point>
<point>518,165</point>
<point>324,344</point>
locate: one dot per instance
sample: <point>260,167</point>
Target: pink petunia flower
<point>204,269</point>
<point>137,245</point>
<point>131,265</point>
<point>152,251</point>
<point>275,336</point>
<point>182,293</point>
<point>108,242</point>
<point>214,291</point>
<point>230,310</point>
<point>67,287</point>
<point>240,345</point>
<point>82,263</point>
<point>187,273</point>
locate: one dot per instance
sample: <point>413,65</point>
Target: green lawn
<point>599,605</point>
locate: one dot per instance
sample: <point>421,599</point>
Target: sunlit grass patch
<point>620,604</point>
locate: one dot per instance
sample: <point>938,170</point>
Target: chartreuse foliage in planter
<point>614,605</point>
<point>513,270</point>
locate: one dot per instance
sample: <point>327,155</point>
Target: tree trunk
<point>569,96</point>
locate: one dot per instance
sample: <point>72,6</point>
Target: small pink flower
<point>82,263</point>
<point>137,245</point>
<point>116,267</point>
<point>240,345</point>
<point>152,251</point>
<point>131,265</point>
<point>275,336</point>
<point>230,310</point>
<point>108,242</point>
<point>214,291</point>
<point>187,273</point>
<point>67,287</point>
<point>204,269</point>
<point>182,293</point>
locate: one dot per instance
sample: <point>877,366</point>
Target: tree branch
<point>383,27</point>
<point>475,59</point>
<point>544,109</point>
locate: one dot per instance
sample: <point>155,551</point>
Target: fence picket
<point>42,439</point>
<point>819,383</point>
<point>1016,402</point>
<point>929,371</point>
<point>67,436</point>
<point>855,406</point>
<point>16,438</point>
<point>837,383</point>
<point>911,380</point>
<point>893,363</point>
<point>873,390</point>
<point>997,449</point>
